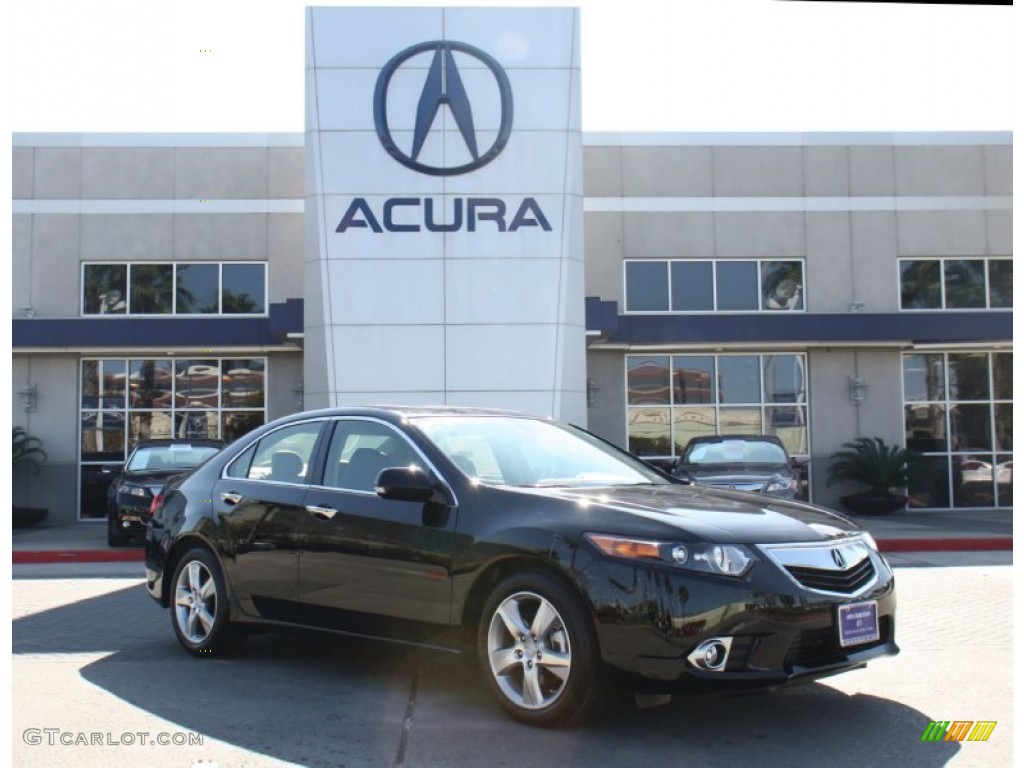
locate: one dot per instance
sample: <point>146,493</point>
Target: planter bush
<point>870,461</point>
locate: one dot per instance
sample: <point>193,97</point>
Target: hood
<point>703,513</point>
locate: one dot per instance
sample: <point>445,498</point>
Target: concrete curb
<point>25,556</point>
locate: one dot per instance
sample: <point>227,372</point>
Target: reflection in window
<point>924,377</point>
<point>127,401</point>
<point>736,285</point>
<point>105,289</point>
<point>198,289</point>
<point>715,394</point>
<point>234,424</point>
<point>151,289</point>
<point>690,422</point>
<point>968,377</point>
<point>956,283</point>
<point>646,286</point>
<point>920,285</point>
<point>960,428</point>
<point>244,289</point>
<point>243,383</point>
<point>648,380</point>
<point>649,432</point>
<point>693,379</point>
<point>149,425</point>
<point>149,384</point>
<point>782,285</point>
<point>965,284</point>
<point>196,384</point>
<point>739,379</point>
<point>1000,280</point>
<point>692,286</point>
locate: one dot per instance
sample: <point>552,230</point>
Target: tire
<point>200,609</point>
<point>115,538</point>
<point>539,651</point>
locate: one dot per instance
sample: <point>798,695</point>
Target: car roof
<point>727,438</point>
<point>395,412</point>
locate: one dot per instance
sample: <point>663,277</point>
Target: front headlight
<point>779,484</point>
<point>704,557</point>
<point>136,490</point>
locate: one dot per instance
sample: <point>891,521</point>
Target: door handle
<point>324,513</point>
<point>231,498</point>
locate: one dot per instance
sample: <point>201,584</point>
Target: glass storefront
<point>958,413</point>
<point>673,398</point>
<point>127,400</point>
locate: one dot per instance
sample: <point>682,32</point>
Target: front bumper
<point>649,619</point>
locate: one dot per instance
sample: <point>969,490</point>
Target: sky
<point>648,65</point>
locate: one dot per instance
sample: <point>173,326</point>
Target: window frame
<point>174,288</point>
<point>759,296</point>
<point>941,261</point>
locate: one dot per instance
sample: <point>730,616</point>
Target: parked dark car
<point>135,484</point>
<point>758,463</point>
<point>568,564</point>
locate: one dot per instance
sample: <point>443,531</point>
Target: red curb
<point>21,557</point>
<point>974,544</point>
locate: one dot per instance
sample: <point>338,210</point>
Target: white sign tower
<point>444,248</point>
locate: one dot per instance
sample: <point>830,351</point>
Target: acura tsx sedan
<point>567,564</point>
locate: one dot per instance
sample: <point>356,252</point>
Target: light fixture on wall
<point>28,397</point>
<point>592,390</point>
<point>856,306</point>
<point>857,389</point>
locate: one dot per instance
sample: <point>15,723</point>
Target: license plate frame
<point>857,624</point>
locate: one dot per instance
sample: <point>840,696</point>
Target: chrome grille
<point>846,582</point>
<point>842,566</point>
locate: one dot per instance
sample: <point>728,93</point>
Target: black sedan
<point>740,462</point>
<point>135,485</point>
<point>568,564</point>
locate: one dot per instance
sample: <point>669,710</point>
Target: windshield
<point>735,452</point>
<point>170,457</point>
<point>502,450</point>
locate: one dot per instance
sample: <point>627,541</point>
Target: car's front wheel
<point>199,606</point>
<point>539,651</point>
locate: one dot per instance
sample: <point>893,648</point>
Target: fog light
<point>711,655</point>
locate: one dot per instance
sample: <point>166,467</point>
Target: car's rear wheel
<point>200,612</point>
<point>539,651</point>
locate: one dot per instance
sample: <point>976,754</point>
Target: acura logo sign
<point>838,559</point>
<point>443,86</point>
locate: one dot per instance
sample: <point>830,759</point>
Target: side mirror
<point>800,462</point>
<point>406,484</point>
<point>111,469</point>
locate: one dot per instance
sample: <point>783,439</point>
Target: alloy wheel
<point>528,649</point>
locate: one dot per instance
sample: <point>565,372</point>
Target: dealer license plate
<point>858,623</point>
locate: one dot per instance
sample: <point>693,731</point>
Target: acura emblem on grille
<point>838,559</point>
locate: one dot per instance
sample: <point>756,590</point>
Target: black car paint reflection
<point>534,541</point>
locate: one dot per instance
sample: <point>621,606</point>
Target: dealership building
<point>445,232</point>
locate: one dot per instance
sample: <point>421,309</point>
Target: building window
<point>673,398</point>
<point>145,288</point>
<point>956,284</point>
<point>125,401</point>
<point>726,285</point>
<point>958,412</point>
